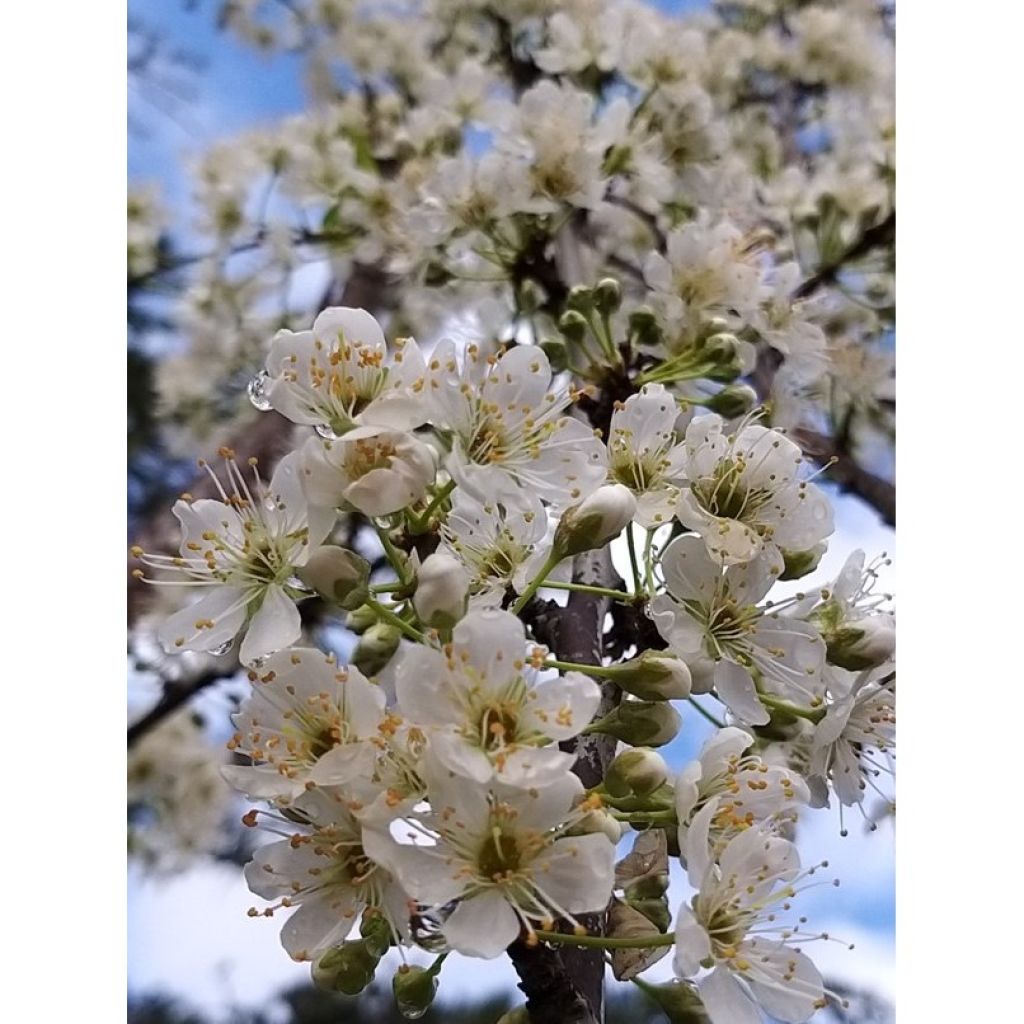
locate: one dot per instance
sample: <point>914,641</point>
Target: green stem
<point>586,588</point>
<point>420,523</point>
<point>601,671</point>
<point>389,616</point>
<point>707,714</point>
<point>395,557</point>
<point>631,543</point>
<point>646,817</point>
<point>811,714</point>
<point>603,942</point>
<point>386,588</point>
<point>649,562</point>
<point>538,581</point>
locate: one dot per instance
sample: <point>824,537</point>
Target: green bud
<point>862,644</point>
<point>347,968</point>
<point>517,1015</point>
<point>678,1000</point>
<point>598,821</point>
<point>608,295</point>
<point>573,326</point>
<point>557,352</point>
<point>375,930</point>
<point>648,887</point>
<point>644,326</point>
<point>580,299</point>
<point>641,723</point>
<point>360,619</point>
<point>337,575</point>
<point>414,988</point>
<point>636,772</point>
<point>797,564</point>
<point>655,909</point>
<point>722,347</point>
<point>375,648</point>
<point>596,520</point>
<point>733,401</point>
<point>655,675</point>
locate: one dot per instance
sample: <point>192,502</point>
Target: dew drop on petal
<point>326,432</point>
<point>257,390</point>
<point>222,648</point>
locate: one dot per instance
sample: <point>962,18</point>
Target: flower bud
<point>557,353</point>
<point>636,772</point>
<point>722,347</point>
<point>573,325</point>
<point>678,1000</point>
<point>517,1015</point>
<point>442,591</point>
<point>733,401</point>
<point>360,619</point>
<point>597,519</point>
<point>414,988</point>
<point>641,723</point>
<point>346,968</point>
<point>863,643</point>
<point>337,575</point>
<point>797,564</point>
<point>580,299</point>
<point>375,648</point>
<point>608,295</point>
<point>598,820</point>
<point>655,675</point>
<point>644,326</point>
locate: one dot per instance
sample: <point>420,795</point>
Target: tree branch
<point>174,696</point>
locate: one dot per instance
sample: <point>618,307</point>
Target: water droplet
<point>222,648</point>
<point>327,432</point>
<point>258,388</point>
<point>294,583</point>
<point>410,1011</point>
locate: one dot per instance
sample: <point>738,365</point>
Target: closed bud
<point>557,353</point>
<point>641,723</point>
<point>722,347</point>
<point>598,820</point>
<point>442,591</point>
<point>414,988</point>
<point>595,521</point>
<point>733,401</point>
<point>797,564</point>
<point>375,648</point>
<point>580,299</point>
<point>375,930</point>
<point>655,675</point>
<point>360,619</point>
<point>678,1000</point>
<point>337,575</point>
<point>644,326</point>
<point>863,643</point>
<point>608,295</point>
<point>347,968</point>
<point>655,909</point>
<point>517,1015</point>
<point>573,325</point>
<point>636,772</point>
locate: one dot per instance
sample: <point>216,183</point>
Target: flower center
<point>499,857</point>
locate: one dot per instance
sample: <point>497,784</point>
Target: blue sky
<point>190,935</point>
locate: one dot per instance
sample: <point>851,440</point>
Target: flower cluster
<point>648,269</point>
<point>424,791</point>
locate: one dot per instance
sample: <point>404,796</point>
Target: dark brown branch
<point>174,696</point>
<point>880,235</point>
<point>880,494</point>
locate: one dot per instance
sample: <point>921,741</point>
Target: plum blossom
<point>243,550</point>
<point>503,853</point>
<point>340,374</point>
<point>712,620</point>
<point>486,715</point>
<point>308,721</point>
<point>510,434</point>
<point>745,495</point>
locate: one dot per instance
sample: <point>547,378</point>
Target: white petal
<point>735,688</point>
<point>223,606</point>
<point>793,1001</point>
<point>320,922</point>
<point>692,944</point>
<point>561,707</point>
<point>275,625</point>
<point>578,872</point>
<point>725,1001</point>
<point>483,926</point>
